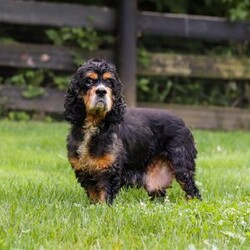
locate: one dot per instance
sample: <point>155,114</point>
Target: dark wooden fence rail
<point>198,117</point>
<point>62,58</point>
<point>102,18</point>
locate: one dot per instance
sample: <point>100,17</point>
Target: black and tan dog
<point>110,146</point>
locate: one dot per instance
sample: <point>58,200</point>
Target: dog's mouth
<point>100,103</point>
<point>99,106</point>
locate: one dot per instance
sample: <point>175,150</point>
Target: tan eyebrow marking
<point>107,75</point>
<point>92,75</point>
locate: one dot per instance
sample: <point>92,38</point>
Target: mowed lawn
<point>43,207</point>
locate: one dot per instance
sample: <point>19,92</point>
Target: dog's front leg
<point>112,183</point>
<point>103,188</point>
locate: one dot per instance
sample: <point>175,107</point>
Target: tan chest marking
<point>75,163</point>
<point>159,175</point>
<point>92,164</point>
<point>88,162</point>
<point>96,164</point>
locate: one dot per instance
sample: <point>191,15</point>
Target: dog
<point>111,146</point>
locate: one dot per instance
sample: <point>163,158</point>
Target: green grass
<point>43,207</point>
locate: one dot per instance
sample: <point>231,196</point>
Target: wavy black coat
<point>137,136</point>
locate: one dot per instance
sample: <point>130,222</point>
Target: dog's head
<point>95,91</point>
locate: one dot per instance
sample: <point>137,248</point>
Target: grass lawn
<point>43,207</point>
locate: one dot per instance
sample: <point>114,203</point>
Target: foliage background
<point>156,89</point>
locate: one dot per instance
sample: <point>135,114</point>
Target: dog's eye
<point>89,81</point>
<point>109,82</point>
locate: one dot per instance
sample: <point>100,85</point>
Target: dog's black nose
<point>101,91</point>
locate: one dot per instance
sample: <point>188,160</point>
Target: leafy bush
<point>238,10</point>
<point>193,91</point>
<point>84,38</point>
<point>88,39</point>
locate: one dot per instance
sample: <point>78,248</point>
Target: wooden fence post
<point>127,48</point>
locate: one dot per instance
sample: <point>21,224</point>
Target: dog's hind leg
<point>183,162</point>
<point>158,194</point>
<point>187,182</point>
<point>158,177</point>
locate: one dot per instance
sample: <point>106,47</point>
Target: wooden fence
<point>130,22</point>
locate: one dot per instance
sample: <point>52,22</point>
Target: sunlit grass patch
<point>43,207</point>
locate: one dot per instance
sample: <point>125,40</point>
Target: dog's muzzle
<point>101,91</point>
<point>102,99</point>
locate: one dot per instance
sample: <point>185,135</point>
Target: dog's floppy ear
<point>118,110</point>
<point>75,111</point>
